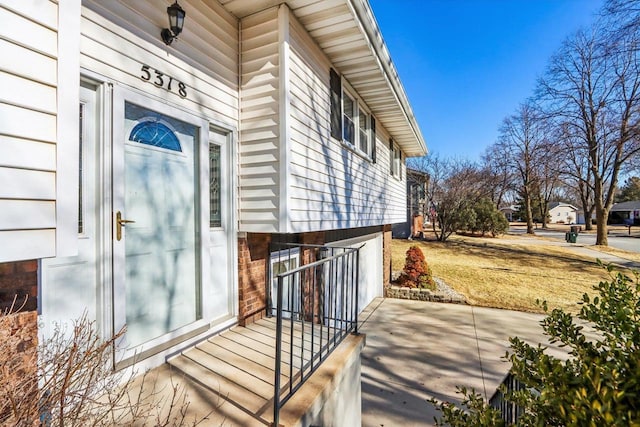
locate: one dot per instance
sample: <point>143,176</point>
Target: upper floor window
<point>356,125</point>
<point>348,116</point>
<point>364,128</point>
<point>395,159</point>
<point>351,122</point>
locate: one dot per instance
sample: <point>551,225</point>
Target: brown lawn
<point>507,274</point>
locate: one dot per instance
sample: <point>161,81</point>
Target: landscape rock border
<point>443,293</point>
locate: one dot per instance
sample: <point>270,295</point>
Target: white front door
<point>169,274</point>
<point>157,242</point>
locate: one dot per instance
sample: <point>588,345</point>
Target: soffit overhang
<point>347,32</point>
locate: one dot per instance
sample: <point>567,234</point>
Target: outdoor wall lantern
<point>176,22</point>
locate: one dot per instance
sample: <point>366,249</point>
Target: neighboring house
<point>562,213</point>
<point>145,184</point>
<point>417,206</point>
<point>509,212</point>
<point>627,213</point>
<point>580,216</point>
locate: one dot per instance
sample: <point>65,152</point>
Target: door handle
<point>120,222</point>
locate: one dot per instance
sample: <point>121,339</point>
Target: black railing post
<point>276,397</point>
<point>357,285</point>
<point>510,412</point>
<point>337,307</point>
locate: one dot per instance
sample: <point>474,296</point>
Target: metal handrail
<point>509,411</point>
<point>323,299</point>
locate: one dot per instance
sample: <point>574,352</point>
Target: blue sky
<point>467,64</point>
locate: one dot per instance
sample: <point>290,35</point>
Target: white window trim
<point>396,162</point>
<point>275,257</point>
<point>360,106</point>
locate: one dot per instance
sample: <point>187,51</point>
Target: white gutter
<point>370,25</point>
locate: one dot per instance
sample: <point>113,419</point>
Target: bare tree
<point>68,380</point>
<point>593,84</point>
<point>576,173</point>
<point>548,167</point>
<point>522,138</point>
<point>622,16</point>
<point>454,185</point>
<point>497,174</point>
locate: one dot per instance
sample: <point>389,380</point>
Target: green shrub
<point>597,385</point>
<point>483,217</point>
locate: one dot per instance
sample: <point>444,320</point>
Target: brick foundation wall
<point>253,259</point>
<point>315,238</point>
<point>386,255</point>
<point>19,358</point>
<point>253,265</point>
<point>19,280</point>
<point>312,283</point>
<point>18,330</point>
<point>21,330</point>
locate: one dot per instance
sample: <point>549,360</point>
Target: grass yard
<point>498,273</point>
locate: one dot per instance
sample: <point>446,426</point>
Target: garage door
<point>370,270</point>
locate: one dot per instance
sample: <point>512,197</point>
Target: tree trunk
<point>588,222</point>
<point>602,215</point>
<point>543,215</point>
<point>435,221</point>
<point>528,213</point>
<point>587,219</point>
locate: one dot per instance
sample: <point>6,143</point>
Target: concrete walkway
<point>578,248</point>
<point>417,350</point>
<point>603,256</point>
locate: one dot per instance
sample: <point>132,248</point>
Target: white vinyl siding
<point>28,123</point>
<point>331,186</point>
<point>204,58</point>
<point>259,142</point>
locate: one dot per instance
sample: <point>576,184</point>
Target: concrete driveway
<point>417,350</point>
<point>619,240</point>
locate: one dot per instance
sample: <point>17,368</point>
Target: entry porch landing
<point>229,378</point>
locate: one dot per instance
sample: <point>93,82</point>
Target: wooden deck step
<point>243,359</point>
<point>238,365</point>
<point>250,400</point>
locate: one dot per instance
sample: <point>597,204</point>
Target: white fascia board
<point>370,28</point>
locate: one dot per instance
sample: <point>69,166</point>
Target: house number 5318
<point>160,79</point>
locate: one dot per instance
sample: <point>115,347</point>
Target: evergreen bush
<point>597,385</point>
